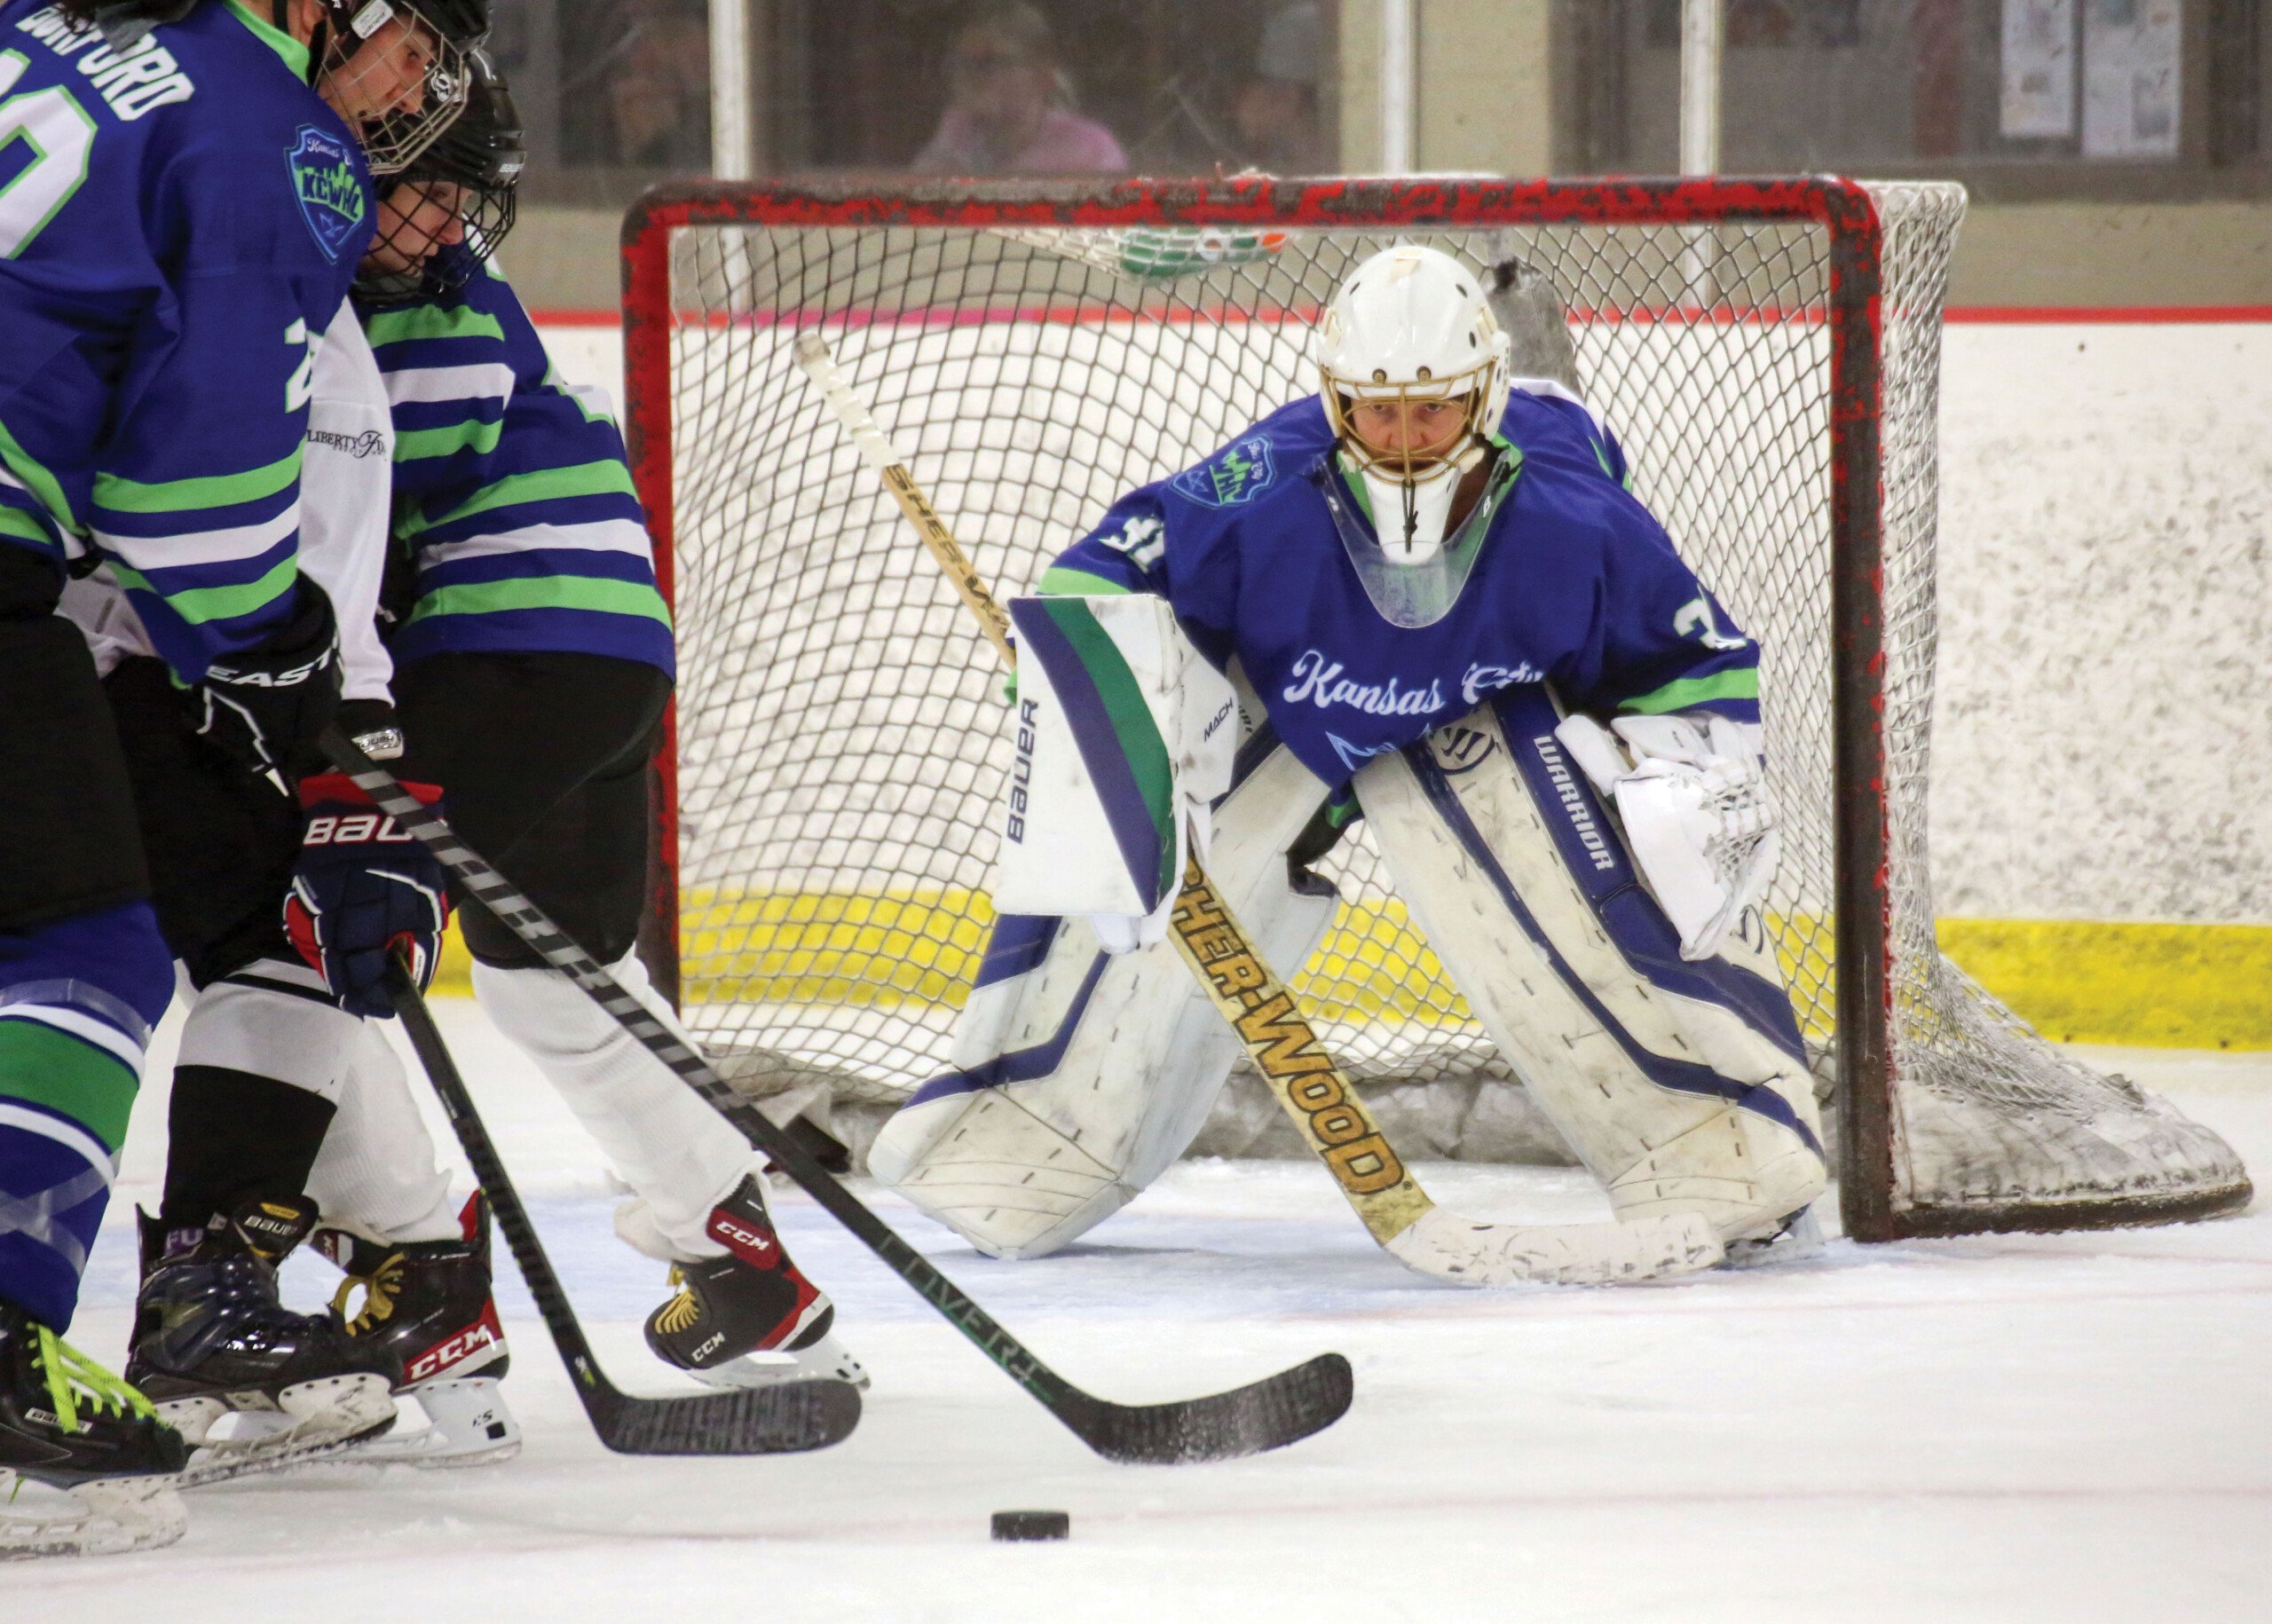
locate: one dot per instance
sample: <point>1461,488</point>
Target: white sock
<point>377,1172</point>
<point>679,1155</point>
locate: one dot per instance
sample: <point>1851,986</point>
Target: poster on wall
<point>2039,63</point>
<point>2130,78</point>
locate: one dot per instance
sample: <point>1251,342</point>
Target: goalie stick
<point>783,1419</point>
<point>1269,1413</point>
<point>1326,1111</point>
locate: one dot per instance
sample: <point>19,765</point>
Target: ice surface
<point>2006,1427</point>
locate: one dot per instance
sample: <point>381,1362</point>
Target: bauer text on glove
<point>363,888</point>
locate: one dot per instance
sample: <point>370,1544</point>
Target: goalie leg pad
<point>1681,1086</point>
<point>1079,1076</point>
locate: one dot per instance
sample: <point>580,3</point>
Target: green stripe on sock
<point>598,596</point>
<point>1132,722</point>
<point>45,1066</point>
<point>1689,692</point>
<point>401,327</point>
<point>188,495</point>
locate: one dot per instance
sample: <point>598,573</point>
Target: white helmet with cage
<point>1413,324</point>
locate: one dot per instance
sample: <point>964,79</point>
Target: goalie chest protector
<point>1575,585</point>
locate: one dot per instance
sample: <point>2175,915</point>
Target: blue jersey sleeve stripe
<point>244,602</point>
<point>27,473</point>
<point>524,516</point>
<point>117,494</point>
<point>201,548</point>
<point>605,477</point>
<point>474,381</point>
<point>615,535</point>
<point>416,354</point>
<point>532,565</point>
<point>20,522</point>
<point>633,637</point>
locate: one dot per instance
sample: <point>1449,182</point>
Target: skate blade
<point>827,1359</point>
<point>466,1424</point>
<point>310,1419</point>
<point>106,1518</point>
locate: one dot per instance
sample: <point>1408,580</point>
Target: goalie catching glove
<point>363,888</point>
<point>1697,813</point>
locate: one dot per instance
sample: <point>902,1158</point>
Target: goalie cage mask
<point>1411,325</point>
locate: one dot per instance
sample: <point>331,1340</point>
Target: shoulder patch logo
<point>1237,474</point>
<point>330,197</point>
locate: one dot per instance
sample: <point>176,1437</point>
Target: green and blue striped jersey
<point>512,491</point>
<point>179,225</point>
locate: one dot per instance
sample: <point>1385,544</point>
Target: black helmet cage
<point>481,154</point>
<point>393,140</point>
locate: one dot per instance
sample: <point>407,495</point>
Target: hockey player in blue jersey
<point>527,663</point>
<point>1433,603</point>
<point>177,231</point>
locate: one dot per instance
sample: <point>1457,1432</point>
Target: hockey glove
<point>363,888</point>
<point>1698,818</point>
<point>265,706</point>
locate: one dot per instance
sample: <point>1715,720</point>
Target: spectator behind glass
<point>1008,109</point>
<point>1277,110</point>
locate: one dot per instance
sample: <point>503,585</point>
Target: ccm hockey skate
<point>750,1318</point>
<point>102,1467</point>
<point>211,1341</point>
<point>427,1303</point>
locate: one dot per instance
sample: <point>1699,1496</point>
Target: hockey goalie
<point>1422,597</point>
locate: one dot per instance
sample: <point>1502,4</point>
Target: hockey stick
<point>776,1419</point>
<point>1266,1414</point>
<point>1326,1111</point>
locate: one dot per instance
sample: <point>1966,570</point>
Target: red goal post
<point>704,281</point>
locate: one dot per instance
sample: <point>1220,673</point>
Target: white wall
<point>2105,736</point>
<point>2103,747</point>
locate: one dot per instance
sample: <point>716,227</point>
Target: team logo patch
<point>330,195</point>
<point>1237,474</point>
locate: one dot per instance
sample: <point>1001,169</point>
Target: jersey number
<point>59,133</point>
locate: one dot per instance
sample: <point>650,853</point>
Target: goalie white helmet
<point>1411,328</point>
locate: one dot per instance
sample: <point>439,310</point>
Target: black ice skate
<point>104,1465</point>
<point>429,1304</point>
<point>211,1341</point>
<point>750,1318</point>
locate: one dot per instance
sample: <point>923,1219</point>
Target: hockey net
<point>1767,352</point>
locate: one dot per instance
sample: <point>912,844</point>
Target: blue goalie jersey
<point>178,227</point>
<point>1573,584</point>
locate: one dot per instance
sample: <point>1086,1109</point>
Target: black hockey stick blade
<point>783,1419</point>
<point>1270,1414</point>
<point>1266,1414</point>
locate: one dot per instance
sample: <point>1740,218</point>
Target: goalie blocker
<point>1086,1060</point>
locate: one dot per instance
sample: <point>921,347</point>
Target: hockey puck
<point>1032,1524</point>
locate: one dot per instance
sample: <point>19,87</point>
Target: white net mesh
<point>840,717</point>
